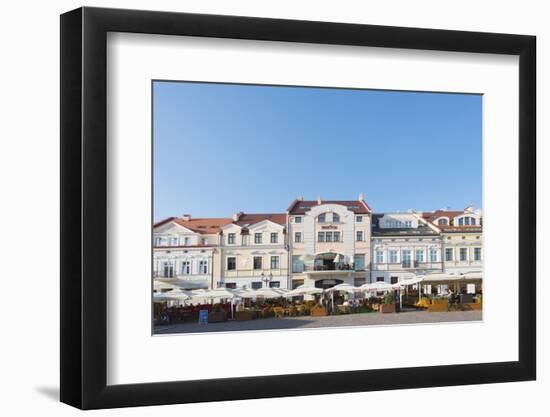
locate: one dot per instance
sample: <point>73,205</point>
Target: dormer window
<point>443,222</point>
<point>298,219</point>
<point>321,218</point>
<point>335,218</point>
<point>231,239</point>
<point>467,221</point>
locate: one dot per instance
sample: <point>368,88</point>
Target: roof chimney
<point>186,217</point>
<point>319,200</point>
<point>237,216</point>
<point>301,198</point>
<point>361,197</point>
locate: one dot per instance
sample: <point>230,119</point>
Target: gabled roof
<point>302,206</point>
<point>204,226</point>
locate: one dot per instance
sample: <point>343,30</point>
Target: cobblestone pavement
<point>366,319</point>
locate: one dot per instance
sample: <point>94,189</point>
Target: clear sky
<point>222,148</point>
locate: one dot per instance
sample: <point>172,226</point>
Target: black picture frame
<point>84,207</point>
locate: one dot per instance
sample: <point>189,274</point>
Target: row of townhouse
<point>316,242</point>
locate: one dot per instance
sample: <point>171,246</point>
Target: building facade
<point>462,239</point>
<point>254,252</point>
<point>404,245</point>
<point>329,242</point>
<point>186,251</point>
<point>318,243</point>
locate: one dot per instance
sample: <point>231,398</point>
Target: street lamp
<point>267,279</point>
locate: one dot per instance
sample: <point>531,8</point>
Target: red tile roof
<point>250,219</point>
<point>451,214</point>
<point>204,226</point>
<point>301,206</point>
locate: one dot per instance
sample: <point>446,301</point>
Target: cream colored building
<point>462,239</point>
<point>186,251</point>
<point>254,252</point>
<point>329,242</point>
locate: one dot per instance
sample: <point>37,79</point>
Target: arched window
<point>335,218</point>
<point>461,221</point>
<point>443,222</point>
<point>321,218</point>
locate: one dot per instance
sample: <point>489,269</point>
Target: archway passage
<point>327,283</point>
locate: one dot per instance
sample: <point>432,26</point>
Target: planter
<point>217,317</point>
<point>318,311</point>
<point>387,308</point>
<point>243,315</point>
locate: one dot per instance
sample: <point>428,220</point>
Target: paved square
<point>305,322</point>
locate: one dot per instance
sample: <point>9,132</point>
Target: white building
<point>404,245</point>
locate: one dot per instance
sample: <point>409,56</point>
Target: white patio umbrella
<point>215,293</point>
<point>344,288</point>
<point>376,286</point>
<point>441,277</point>
<point>304,290</point>
<point>267,292</point>
<point>245,292</point>
<point>410,281</point>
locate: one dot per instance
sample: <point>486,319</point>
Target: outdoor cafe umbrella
<point>304,290</point>
<point>267,292</point>
<point>376,286</point>
<point>159,285</point>
<point>350,289</point>
<point>473,275</point>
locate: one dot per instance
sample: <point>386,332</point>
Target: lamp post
<point>267,279</point>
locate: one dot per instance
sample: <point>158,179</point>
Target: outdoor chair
<point>279,312</point>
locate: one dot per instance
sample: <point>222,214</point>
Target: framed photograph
<point>260,208</point>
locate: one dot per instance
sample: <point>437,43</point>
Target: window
<point>275,284</point>
<point>257,262</point>
<point>443,222</point>
<point>359,219</point>
<point>298,237</point>
<point>274,262</point>
<point>472,221</point>
<point>448,254</point>
<point>335,218</point>
<point>393,257</point>
<point>393,280</point>
<point>321,218</point>
<point>297,264</point>
<point>173,241</point>
<point>463,254</point>
<point>186,241</point>
<point>328,236</point>
<point>231,263</point>
<point>158,241</point>
<point>419,255</point>
<point>231,285</point>
<point>336,237</point>
<point>274,237</point>
<point>379,257</point>
<point>231,239</point>
<point>257,238</point>
<point>409,224</point>
<point>186,268</point>
<point>433,255</point>
<point>406,258</point>
<point>359,262</point>
<point>477,254</point>
<point>379,279</point>
<point>321,237</point>
<point>204,241</point>
<point>359,236</point>
<point>256,285</point>
<point>298,219</point>
<point>203,267</point>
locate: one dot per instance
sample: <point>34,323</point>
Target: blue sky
<point>222,148</point>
